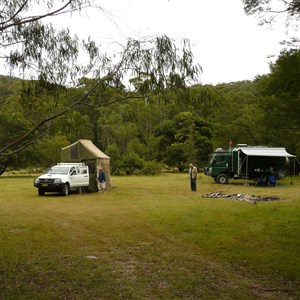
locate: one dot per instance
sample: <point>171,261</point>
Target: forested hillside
<point>143,104</point>
<point>143,134</point>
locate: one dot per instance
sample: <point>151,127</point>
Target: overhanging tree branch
<point>55,56</point>
<point>45,121</point>
<point>28,143</point>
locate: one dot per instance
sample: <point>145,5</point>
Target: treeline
<point>143,134</point>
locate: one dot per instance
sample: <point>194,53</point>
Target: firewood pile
<point>252,199</point>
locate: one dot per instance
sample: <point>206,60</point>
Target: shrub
<point>152,168</point>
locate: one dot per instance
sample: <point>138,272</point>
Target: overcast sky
<point>229,45</point>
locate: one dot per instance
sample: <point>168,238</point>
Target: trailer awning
<point>266,151</point>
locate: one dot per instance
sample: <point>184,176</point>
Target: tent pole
<point>294,171</point>
<point>247,171</point>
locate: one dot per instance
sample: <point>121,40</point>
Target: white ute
<point>63,178</point>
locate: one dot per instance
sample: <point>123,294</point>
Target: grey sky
<point>229,45</point>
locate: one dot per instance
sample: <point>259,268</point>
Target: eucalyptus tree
<point>204,100</point>
<point>235,115</point>
<point>269,10</point>
<point>184,139</point>
<point>32,45</point>
<point>286,12</point>
<point>280,93</point>
<point>280,89</point>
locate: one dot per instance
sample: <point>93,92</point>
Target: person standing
<point>193,175</point>
<point>101,179</point>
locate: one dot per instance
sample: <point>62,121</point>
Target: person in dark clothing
<point>101,179</point>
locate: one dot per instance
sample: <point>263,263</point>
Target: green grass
<point>149,238</point>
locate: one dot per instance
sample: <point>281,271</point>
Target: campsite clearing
<point>149,238</point>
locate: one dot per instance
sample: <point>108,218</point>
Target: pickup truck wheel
<point>41,192</point>
<point>65,190</point>
<point>222,179</point>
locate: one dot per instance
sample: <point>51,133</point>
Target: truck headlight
<point>57,180</point>
<point>36,180</point>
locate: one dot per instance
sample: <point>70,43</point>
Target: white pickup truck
<point>63,178</point>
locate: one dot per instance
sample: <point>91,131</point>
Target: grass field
<point>149,238</point>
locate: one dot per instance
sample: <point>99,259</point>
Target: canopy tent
<point>266,151</point>
<point>265,155</point>
<point>85,151</point>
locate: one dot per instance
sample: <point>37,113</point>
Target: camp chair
<point>272,180</point>
<point>261,181</point>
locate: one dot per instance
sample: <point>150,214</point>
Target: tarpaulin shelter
<point>85,151</point>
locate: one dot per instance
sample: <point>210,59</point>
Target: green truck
<point>265,165</point>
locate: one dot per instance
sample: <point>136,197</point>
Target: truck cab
<point>63,178</point>
<point>218,166</point>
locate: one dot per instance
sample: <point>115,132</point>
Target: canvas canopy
<point>269,155</point>
<point>85,151</point>
<point>266,151</point>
